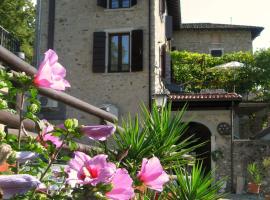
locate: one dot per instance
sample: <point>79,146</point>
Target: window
<point>216,52</point>
<point>119,52</point>
<point>119,4</point>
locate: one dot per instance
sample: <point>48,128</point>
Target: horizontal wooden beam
<point>80,147</point>
<point>13,121</point>
<point>17,64</point>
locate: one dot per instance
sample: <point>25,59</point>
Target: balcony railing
<point>8,41</point>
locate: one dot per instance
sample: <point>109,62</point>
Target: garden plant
<point>146,158</point>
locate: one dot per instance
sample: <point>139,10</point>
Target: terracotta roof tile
<point>206,97</point>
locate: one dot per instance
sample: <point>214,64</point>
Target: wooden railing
<point>12,121</point>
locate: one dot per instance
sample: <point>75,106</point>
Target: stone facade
<point>211,119</point>
<point>246,152</point>
<point>203,41</point>
<point>73,41</point>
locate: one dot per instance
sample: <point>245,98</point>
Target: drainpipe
<point>150,54</point>
<point>37,40</point>
<point>232,149</point>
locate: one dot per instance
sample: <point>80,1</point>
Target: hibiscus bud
<point>71,123</point>
<point>33,108</point>
<point>2,135</point>
<point>12,158</point>
<point>5,151</point>
<point>99,196</point>
<point>3,104</point>
<point>3,84</point>
<point>105,188</point>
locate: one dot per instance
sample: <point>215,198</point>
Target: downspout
<point>232,146</point>
<point>37,40</point>
<point>51,24</point>
<point>150,54</point>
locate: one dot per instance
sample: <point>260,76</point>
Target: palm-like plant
<point>194,186</point>
<point>158,133</point>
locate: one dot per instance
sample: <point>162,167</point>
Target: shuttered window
<point>119,52</point>
<point>114,4</point>
<point>125,52</point>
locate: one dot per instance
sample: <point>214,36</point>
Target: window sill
<point>118,9</point>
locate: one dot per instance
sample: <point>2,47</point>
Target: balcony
<point>8,41</point>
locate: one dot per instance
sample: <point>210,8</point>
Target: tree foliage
<point>197,71</point>
<point>18,17</point>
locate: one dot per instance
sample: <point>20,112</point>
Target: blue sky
<point>241,12</point>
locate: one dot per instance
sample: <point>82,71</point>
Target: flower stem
<point>20,101</point>
<point>53,158</point>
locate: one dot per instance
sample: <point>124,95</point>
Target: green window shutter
<point>99,52</point>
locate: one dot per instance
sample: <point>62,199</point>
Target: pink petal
<point>99,132</point>
<point>53,139</point>
<point>152,174</point>
<point>158,183</point>
<point>85,170</point>
<point>122,186</point>
<point>51,74</point>
<point>51,56</point>
<point>59,70</point>
<point>79,160</point>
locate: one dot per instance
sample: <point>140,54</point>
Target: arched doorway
<point>203,134</point>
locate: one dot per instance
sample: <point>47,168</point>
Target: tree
<point>18,17</point>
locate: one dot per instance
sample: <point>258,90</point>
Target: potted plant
<point>266,168</point>
<point>255,178</point>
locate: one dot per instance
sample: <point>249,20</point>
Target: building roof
<point>255,30</point>
<point>174,11</point>
<point>205,97</point>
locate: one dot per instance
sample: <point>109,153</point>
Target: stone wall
<point>246,152</point>
<point>203,41</point>
<point>74,26</point>
<point>211,119</point>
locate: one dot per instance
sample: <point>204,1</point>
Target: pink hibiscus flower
<point>98,132</point>
<point>51,74</point>
<point>83,169</point>
<point>122,186</point>
<point>47,135</point>
<point>152,174</point>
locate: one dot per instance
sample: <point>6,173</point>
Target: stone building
<point>111,50</point>
<point>215,39</point>
<point>116,53</point>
